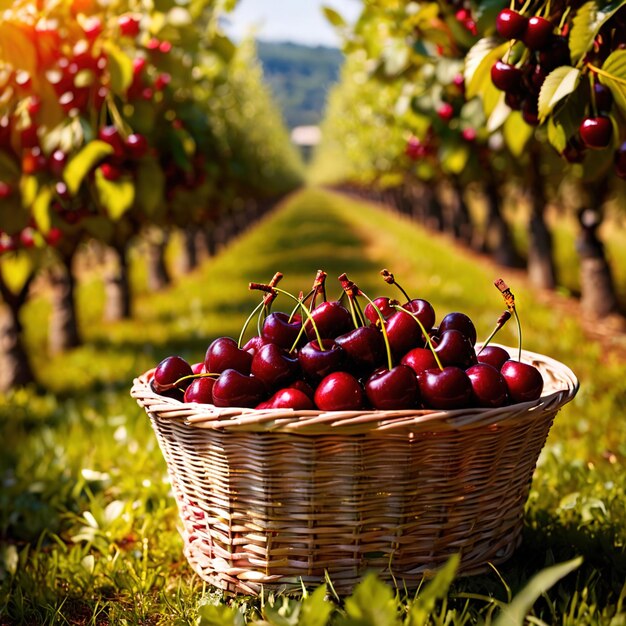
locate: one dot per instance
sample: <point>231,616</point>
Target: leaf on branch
<point>478,62</point>
<point>83,162</point>
<point>41,210</point>
<point>613,76</point>
<point>334,17</point>
<point>516,133</point>
<point>454,157</point>
<point>559,84</point>
<point>120,68</point>
<point>16,269</point>
<point>117,196</point>
<point>586,25</point>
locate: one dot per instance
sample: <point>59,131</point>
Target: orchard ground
<point>88,525</point>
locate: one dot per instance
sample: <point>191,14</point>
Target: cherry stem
<point>268,289</point>
<point>502,320</point>
<point>519,334</point>
<point>193,377</point>
<point>397,307</point>
<point>390,280</point>
<point>350,287</point>
<point>259,307</point>
<point>319,286</point>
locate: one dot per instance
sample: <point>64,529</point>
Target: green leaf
<point>29,188</point>
<point>372,603</point>
<point>613,75</point>
<point>586,25</point>
<point>514,614</point>
<point>120,68</point>
<point>437,589</point>
<point>334,17</point>
<point>558,84</point>
<point>316,610</point>
<point>83,162</point>
<point>486,12</point>
<point>150,186</point>
<point>41,209</point>
<point>557,135</point>
<point>117,196</point>
<point>478,62</point>
<point>219,615</point>
<point>499,114</point>
<point>516,133</point>
<point>16,268</point>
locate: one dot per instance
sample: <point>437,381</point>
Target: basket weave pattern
<point>276,497</point>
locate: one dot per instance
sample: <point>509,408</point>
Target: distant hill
<point>299,77</point>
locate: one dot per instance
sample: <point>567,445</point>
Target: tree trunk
<point>540,264</point>
<point>118,304</point>
<point>158,276</point>
<point>64,333</point>
<point>498,238</point>
<point>188,259</point>
<point>15,367</point>
<point>597,289</point>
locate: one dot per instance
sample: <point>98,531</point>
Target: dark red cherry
<point>110,135</point>
<point>555,54</point>
<point>449,388</point>
<point>493,355</point>
<point>289,398</point>
<point>461,322</point>
<point>603,97</point>
<point>136,145</point>
<point>423,310</point>
<point>524,381</point>
<point>383,305</point>
<point>274,366</point>
<point>200,390</point>
<point>419,359</point>
<point>505,76</point>
<point>392,389</point>
<point>596,132</point>
<point>129,25</point>
<point>403,333</point>
<point>254,344</point>
<point>511,24</point>
<point>339,391</point>
<point>232,388</point>
<point>278,329</point>
<point>489,386</point>
<point>364,348</point>
<point>331,319</point>
<point>538,32</point>
<point>455,348</point>
<point>169,371</point>
<point>317,363</point>
<point>224,354</point>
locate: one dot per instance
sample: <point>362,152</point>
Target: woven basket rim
<point>562,388</point>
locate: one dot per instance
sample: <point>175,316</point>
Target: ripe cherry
<point>200,390</point>
<point>169,371</point>
<point>393,389</point>
<point>136,145</point>
<point>110,171</point>
<point>331,319</point>
<point>317,363</point>
<point>538,33</point>
<point>524,381</point>
<point>449,388</point>
<point>339,391</point>
<point>232,388</point>
<point>505,76</point>
<point>445,112</point>
<point>6,190</point>
<point>461,322</point>
<point>596,132</point>
<point>289,398</point>
<point>511,24</point>
<point>110,135</point>
<point>274,366</point>
<point>223,353</point>
<point>493,355</point>
<point>364,348</point>
<point>383,304</point>
<point>489,386</point>
<point>128,25</point>
<point>279,329</point>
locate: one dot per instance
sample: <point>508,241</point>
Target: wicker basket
<point>275,498</point>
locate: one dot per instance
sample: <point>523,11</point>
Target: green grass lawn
<point>88,527</point>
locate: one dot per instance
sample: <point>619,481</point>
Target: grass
<point>88,527</point>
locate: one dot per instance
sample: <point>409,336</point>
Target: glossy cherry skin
<point>403,333</point>
<point>383,304</point>
<point>393,389</point>
<point>289,398</point>
<point>523,380</point>
<point>489,386</point>
<point>303,386</point>
<point>232,388</point>
<point>505,76</point>
<point>339,391</point>
<point>364,348</point>
<point>445,389</point>
<point>331,319</point>
<point>460,322</point>
<point>511,24</point>
<point>455,348</point>
<point>423,310</point>
<point>445,112</point>
<point>279,330</point>
<point>538,32</point>
<point>110,135</point>
<point>419,359</point>
<point>224,354</point>
<point>170,370</point>
<point>494,355</point>
<point>254,344</point>
<point>274,366</point>
<point>316,363</point>
<point>136,145</point>
<point>596,132</point>
<point>200,390</point>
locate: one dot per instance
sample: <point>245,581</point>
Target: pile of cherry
<point>336,356</point>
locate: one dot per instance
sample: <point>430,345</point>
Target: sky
<point>298,21</point>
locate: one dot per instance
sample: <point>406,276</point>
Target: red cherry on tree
<point>6,190</point>
<point>511,24</point>
<point>136,145</point>
<point>110,172</point>
<point>596,132</point>
<point>110,135</point>
<point>538,32</point>
<point>129,25</point>
<point>505,76</point>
